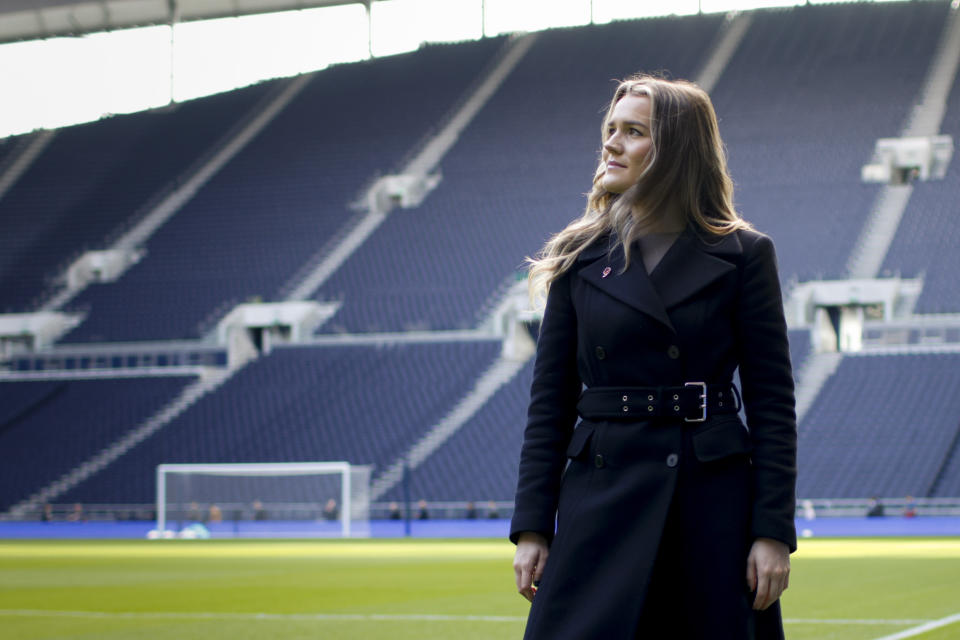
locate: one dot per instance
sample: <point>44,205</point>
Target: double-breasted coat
<point>600,491</point>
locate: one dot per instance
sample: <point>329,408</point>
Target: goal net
<point>263,500</point>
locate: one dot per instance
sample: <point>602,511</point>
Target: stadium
<point>292,319</point>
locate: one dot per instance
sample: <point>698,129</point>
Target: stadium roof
<point>33,19</point>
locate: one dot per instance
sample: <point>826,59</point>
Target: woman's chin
<point>613,186</point>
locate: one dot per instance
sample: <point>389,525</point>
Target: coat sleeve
<point>768,394</point>
<point>551,415</point>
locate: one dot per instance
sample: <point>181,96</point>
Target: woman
<point>660,515</point>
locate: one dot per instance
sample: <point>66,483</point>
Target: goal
<point>264,500</point>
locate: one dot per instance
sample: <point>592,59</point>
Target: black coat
<point>706,309</point>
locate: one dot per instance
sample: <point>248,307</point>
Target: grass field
<point>411,589</point>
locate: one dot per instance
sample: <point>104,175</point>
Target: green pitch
<point>411,589</point>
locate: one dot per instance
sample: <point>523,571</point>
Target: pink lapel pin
<point>606,272</point>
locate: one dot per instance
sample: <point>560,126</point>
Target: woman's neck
<point>668,219</point>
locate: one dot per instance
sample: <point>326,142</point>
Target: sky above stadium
<point>62,81</point>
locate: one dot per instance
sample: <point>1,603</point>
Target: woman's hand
<point>768,571</point>
<point>528,562</point>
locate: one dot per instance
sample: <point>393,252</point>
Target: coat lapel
<point>688,266</point>
<point>632,287</point>
<point>691,264</point>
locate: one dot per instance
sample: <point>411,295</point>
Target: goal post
<point>264,499</point>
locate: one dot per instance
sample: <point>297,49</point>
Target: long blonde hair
<point>686,169</point>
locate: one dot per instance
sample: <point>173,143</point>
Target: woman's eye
<point>636,132</point>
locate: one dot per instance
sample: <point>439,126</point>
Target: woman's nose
<point>611,144</point>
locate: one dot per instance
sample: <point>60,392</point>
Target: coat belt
<point>692,402</point>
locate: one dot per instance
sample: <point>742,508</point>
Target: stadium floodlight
<point>264,499</point>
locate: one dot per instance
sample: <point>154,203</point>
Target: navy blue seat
<point>365,405</point>
<point>881,425</point>
<point>281,199</point>
<point>49,427</point>
<point>91,180</point>
<point>801,104</point>
<point>481,460</point>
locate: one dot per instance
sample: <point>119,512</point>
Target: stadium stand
<point>480,462</point>
<point>362,404</point>
<point>800,106</point>
<point>49,427</point>
<point>883,426</point>
<point>92,180</point>
<point>271,208</point>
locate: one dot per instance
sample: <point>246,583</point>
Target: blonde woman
<point>645,508</point>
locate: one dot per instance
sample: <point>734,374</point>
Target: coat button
<point>673,352</point>
<point>598,461</point>
<point>600,353</point>
<point>672,460</point>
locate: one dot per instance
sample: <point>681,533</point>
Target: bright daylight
<point>61,81</point>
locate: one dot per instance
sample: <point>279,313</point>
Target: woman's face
<point>627,143</point>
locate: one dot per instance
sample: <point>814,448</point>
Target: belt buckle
<point>703,401</point>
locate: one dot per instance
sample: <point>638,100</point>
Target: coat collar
<point>689,265</point>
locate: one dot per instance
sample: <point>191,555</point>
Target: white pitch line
<point>929,626</point>
<point>853,621</point>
